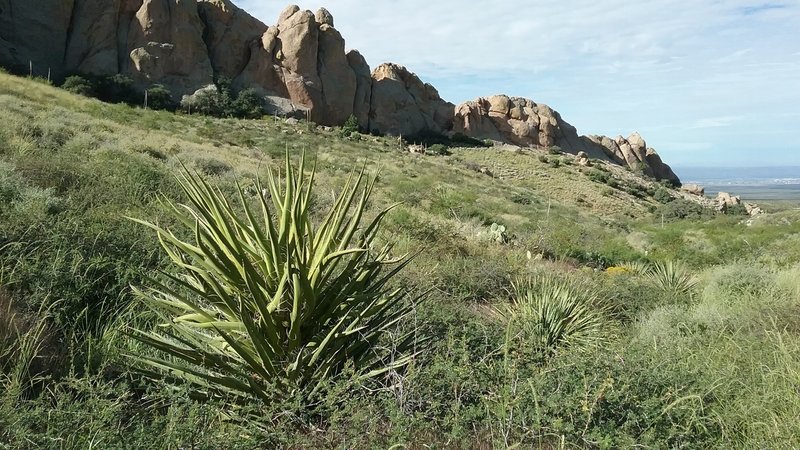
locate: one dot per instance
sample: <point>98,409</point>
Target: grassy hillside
<point>713,362</point>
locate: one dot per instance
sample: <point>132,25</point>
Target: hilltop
<point>298,67</point>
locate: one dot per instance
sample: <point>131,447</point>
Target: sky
<point>705,82</point>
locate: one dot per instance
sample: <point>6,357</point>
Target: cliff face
<point>299,64</point>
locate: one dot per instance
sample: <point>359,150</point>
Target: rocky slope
<point>297,66</point>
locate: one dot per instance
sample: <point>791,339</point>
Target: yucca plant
<point>671,278</point>
<point>551,313</point>
<point>265,304</point>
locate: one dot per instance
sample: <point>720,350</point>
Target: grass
<point>715,368</point>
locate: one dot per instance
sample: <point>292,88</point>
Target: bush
<point>266,306</point>
<point>78,85</point>
<point>438,149</point>
<point>662,195</point>
<point>350,126</point>
<point>248,104</point>
<point>159,97</point>
<point>680,209</point>
<point>554,150</point>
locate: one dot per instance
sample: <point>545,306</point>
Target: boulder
<point>229,33</point>
<point>166,42</point>
<point>694,189</point>
<point>98,41</point>
<point>337,78</point>
<point>582,158</point>
<point>34,34</point>
<point>725,200</point>
<point>363,94</point>
<point>402,104</point>
<point>634,153</point>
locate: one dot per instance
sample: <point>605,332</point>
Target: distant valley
<point>751,183</point>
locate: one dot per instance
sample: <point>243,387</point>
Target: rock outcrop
<point>694,189</point>
<point>634,153</point>
<point>298,67</point>
<point>401,104</point>
<point>519,121</point>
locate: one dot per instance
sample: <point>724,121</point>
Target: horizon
<point>702,82</point>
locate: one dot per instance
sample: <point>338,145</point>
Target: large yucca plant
<point>263,303</point>
<point>552,313</point>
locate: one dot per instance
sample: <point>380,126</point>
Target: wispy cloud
<point>756,9</point>
<point>715,122</point>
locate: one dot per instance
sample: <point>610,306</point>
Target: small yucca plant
<point>551,313</point>
<point>671,278</point>
<point>268,304</point>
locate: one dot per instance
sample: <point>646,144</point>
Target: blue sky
<point>706,82</point>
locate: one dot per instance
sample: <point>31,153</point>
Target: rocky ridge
<point>298,66</point>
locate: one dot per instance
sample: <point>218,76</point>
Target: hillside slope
<point>697,364</point>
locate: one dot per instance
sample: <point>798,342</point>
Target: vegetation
<point>269,304</point>
<point>702,353</point>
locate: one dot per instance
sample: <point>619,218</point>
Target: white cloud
<point>715,122</point>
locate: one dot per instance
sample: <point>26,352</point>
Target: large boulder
<point>363,95</point>
<point>337,77</point>
<point>167,47</point>
<point>402,104</point>
<point>33,34</point>
<point>229,33</point>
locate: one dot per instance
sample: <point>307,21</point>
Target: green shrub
<point>78,85</point>
<point>554,150</point>
<point>438,149</point>
<point>159,97</point>
<point>662,195</point>
<point>248,104</point>
<point>680,209</point>
<point>267,305</point>
<point>349,127</point>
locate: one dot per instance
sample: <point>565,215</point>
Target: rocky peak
<point>298,66</point>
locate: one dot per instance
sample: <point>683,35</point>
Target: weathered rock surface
<point>694,189</point>
<point>521,122</point>
<point>298,66</point>
<point>402,104</point>
<point>634,153</point>
<point>34,34</point>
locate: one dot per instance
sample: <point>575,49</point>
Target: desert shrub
<point>599,176</point>
<point>116,89</point>
<point>267,305</point>
<point>662,195</point>
<point>680,209</point>
<point>543,158</point>
<point>438,149</point>
<point>159,97</point>
<point>550,313</point>
<point>350,126</point>
<point>78,85</point>
<point>213,167</point>
<point>248,104</point>
<point>554,150</point>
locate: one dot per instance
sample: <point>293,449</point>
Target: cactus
<point>498,234</point>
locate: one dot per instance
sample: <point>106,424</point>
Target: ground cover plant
<point>686,328</point>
